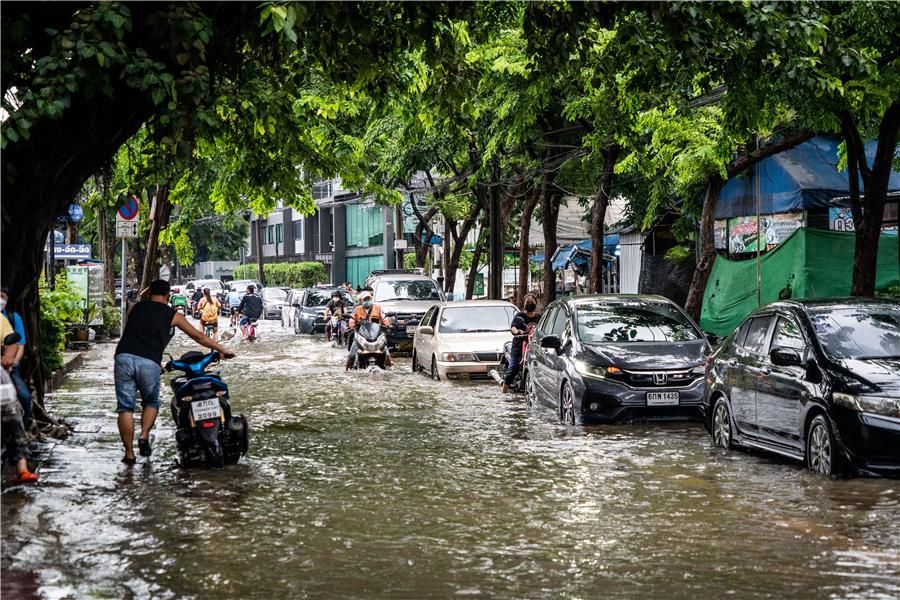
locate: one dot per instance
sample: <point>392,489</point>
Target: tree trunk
<point>694,302</point>
<point>473,268</point>
<point>449,226</point>
<point>868,220</point>
<point>260,272</point>
<point>459,246</point>
<point>524,233</point>
<point>550,210</point>
<point>160,219</point>
<point>598,216</point>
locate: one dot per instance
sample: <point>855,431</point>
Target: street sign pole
<point>122,325</point>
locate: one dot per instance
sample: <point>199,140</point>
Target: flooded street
<point>374,485</point>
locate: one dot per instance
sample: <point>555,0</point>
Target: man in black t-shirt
<point>520,330</point>
<point>149,327</point>
<point>251,306</point>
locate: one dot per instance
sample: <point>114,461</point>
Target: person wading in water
<point>149,327</point>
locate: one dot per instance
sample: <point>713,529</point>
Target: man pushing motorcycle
<point>367,310</point>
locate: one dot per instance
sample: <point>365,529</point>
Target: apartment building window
<point>365,226</point>
<point>297,227</point>
<point>270,234</point>
<point>279,233</point>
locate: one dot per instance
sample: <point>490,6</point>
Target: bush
<point>60,308</point>
<point>112,316</point>
<point>296,275</point>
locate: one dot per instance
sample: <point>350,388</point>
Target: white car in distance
<point>462,340</point>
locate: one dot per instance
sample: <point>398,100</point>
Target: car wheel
<point>721,424</point>
<point>567,405</point>
<point>415,362</point>
<point>823,453</point>
<point>530,389</point>
<point>434,372</point>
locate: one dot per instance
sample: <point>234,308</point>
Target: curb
<point>59,376</point>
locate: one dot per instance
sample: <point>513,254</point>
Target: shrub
<point>112,317</point>
<point>60,308</point>
<point>297,275</point>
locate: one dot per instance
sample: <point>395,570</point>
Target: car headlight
<point>878,405</point>
<point>589,370</point>
<point>458,357</point>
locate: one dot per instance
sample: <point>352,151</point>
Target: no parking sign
<point>127,218</point>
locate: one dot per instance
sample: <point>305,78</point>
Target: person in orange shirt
<point>366,310</point>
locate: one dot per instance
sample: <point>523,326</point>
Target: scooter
<point>518,383</point>
<point>371,344</point>
<point>179,302</point>
<point>206,431</point>
<point>339,326</point>
<point>248,330</point>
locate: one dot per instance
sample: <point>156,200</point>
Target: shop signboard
<point>840,219</point>
<point>743,236</point>
<point>87,281</point>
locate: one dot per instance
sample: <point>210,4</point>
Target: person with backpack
<point>209,313</point>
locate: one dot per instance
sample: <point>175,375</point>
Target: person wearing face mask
<point>522,325</point>
<point>366,310</point>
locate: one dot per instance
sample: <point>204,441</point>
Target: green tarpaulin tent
<point>814,262</point>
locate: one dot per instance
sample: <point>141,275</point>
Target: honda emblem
<point>660,378</point>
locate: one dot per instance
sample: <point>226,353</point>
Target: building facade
<point>350,234</point>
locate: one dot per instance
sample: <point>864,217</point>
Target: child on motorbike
<point>367,310</point>
<point>334,310</point>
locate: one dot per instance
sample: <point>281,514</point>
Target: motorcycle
<point>518,383</point>
<point>371,344</point>
<point>206,431</point>
<point>339,326</point>
<point>248,330</point>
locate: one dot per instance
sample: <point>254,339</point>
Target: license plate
<point>205,409</point>
<point>411,329</point>
<point>662,398</point>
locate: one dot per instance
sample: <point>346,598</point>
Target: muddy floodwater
<point>391,485</point>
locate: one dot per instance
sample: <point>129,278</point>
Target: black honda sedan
<point>616,358</point>
<point>813,380</point>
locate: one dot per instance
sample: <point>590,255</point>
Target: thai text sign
<point>743,235</point>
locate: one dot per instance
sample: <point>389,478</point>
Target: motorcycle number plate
<point>205,409</point>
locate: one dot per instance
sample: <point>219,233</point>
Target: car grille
<point>405,319</point>
<point>659,379</point>
<point>491,357</point>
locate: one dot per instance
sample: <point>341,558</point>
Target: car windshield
<point>318,297</point>
<point>418,289</point>
<point>601,322</point>
<point>212,284</point>
<point>274,294</point>
<point>476,319</point>
<point>241,286</point>
<point>861,332</point>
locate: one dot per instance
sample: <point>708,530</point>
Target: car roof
<point>477,304</point>
<point>615,298</point>
<point>400,276</point>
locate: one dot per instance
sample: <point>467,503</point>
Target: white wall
<point>630,255</point>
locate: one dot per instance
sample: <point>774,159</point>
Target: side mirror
<point>785,357</point>
<point>551,341</point>
<point>425,330</point>
<point>712,338</point>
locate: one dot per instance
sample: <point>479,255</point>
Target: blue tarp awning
<point>578,253</point>
<point>803,177</point>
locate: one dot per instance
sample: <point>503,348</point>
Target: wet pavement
<point>391,485</point>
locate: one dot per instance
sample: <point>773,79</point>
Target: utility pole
<point>495,274</point>
<point>259,257</point>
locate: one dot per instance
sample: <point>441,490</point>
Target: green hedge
<point>60,308</point>
<point>296,275</point>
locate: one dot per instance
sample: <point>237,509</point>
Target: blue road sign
<point>129,210</point>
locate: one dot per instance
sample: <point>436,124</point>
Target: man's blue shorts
<point>133,374</point>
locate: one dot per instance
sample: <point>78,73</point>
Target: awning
<point>803,177</point>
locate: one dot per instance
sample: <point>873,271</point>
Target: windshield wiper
<point>480,330</point>
<point>885,357</point>
<point>393,299</point>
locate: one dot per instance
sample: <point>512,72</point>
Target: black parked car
<point>614,358</point>
<point>311,316</point>
<point>813,380</point>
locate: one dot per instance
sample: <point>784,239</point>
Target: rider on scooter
<point>367,310</point>
<point>336,307</point>
<point>251,306</point>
